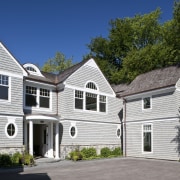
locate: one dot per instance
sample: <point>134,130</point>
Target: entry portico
<point>41,135</point>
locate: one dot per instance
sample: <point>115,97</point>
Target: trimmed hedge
<point>16,159</point>
<point>90,153</point>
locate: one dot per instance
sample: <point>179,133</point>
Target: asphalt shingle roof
<point>56,78</point>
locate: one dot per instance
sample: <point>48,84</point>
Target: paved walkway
<point>106,169</point>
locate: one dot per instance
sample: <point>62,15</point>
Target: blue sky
<point>34,30</point>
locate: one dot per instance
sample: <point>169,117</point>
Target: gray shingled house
<point>151,114</point>
<point>51,114</point>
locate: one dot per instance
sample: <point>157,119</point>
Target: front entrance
<point>44,140</point>
<point>42,137</point>
<point>40,140</point>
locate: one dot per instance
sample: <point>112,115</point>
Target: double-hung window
<point>4,87</point>
<point>102,103</point>
<point>44,98</point>
<point>31,96</point>
<point>147,103</point>
<point>78,99</point>
<point>147,138</point>
<point>90,99</point>
<point>37,97</point>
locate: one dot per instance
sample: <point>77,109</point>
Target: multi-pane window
<point>29,68</point>
<point>147,103</point>
<point>11,129</point>
<point>147,138</point>
<point>31,94</point>
<point>91,101</point>
<point>44,98</point>
<point>102,103</point>
<point>78,99</point>
<point>91,85</point>
<point>4,87</point>
<point>37,97</point>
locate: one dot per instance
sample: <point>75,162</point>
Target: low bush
<point>116,152</point>
<point>105,152</point>
<point>16,158</point>
<point>76,155</point>
<point>88,153</point>
<point>5,160</point>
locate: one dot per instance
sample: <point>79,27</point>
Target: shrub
<point>16,158</point>
<point>5,160</point>
<point>27,159</point>
<point>88,152</point>
<point>76,155</point>
<point>116,152</point>
<point>105,152</point>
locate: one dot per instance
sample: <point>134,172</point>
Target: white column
<point>25,134</point>
<point>50,140</point>
<point>57,141</point>
<point>31,138</point>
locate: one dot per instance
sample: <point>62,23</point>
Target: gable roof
<point>156,79</point>
<point>25,73</point>
<point>51,78</point>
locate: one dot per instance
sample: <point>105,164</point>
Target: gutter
<point>125,134</point>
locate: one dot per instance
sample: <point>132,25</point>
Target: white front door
<point>45,140</point>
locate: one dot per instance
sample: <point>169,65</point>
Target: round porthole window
<point>11,130</point>
<point>73,131</point>
<point>118,133</point>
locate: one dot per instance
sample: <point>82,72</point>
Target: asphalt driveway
<point>106,169</point>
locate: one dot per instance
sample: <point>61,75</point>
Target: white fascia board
<point>40,83</point>
<point>87,90</point>
<point>91,62</point>
<point>11,74</point>
<point>23,70</point>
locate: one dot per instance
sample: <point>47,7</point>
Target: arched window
<point>91,85</point>
<point>29,68</point>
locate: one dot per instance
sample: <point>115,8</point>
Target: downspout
<point>124,116</point>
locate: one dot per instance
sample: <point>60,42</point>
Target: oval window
<point>11,129</point>
<point>118,133</point>
<point>73,131</point>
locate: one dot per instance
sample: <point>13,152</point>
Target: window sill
<point>5,101</point>
<point>90,112</point>
<point>38,109</point>
<point>146,110</point>
<point>146,152</point>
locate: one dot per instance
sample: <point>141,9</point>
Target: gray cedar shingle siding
<point>156,79</point>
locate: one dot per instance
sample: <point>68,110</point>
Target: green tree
<point>57,64</point>
<point>137,45</point>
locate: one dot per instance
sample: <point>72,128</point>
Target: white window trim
<point>37,107</point>
<point>16,130</point>
<point>120,132</point>
<point>76,131</point>
<point>93,90</point>
<point>84,102</point>
<point>147,109</point>
<point>146,152</point>
<point>9,90</point>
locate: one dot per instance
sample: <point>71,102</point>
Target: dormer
<point>32,69</point>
